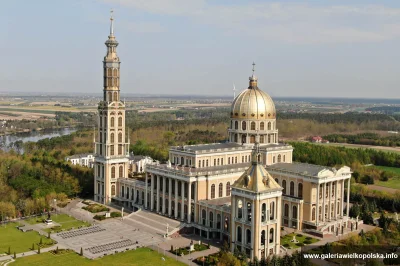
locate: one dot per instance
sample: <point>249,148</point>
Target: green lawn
<point>286,240</point>
<point>66,222</point>
<point>391,183</point>
<point>142,256</point>
<point>395,170</point>
<point>17,240</point>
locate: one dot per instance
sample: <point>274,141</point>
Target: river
<point>7,140</point>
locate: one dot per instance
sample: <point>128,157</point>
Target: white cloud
<point>289,22</point>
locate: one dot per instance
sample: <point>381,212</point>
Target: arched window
<point>207,163</point>
<point>313,214</point>
<point>262,126</point>
<point>263,212</point>
<point>109,96</point>
<point>272,210</point>
<point>113,172</point>
<point>326,190</point>
<point>269,125</point>
<point>294,213</point>
<point>228,189</point>
<point>236,138</point>
<point>320,191</point>
<point>112,150</point>
<point>320,213</point>
<point>203,216</point>
<point>220,189</point>
<point>112,121</point>
<point>261,139</point>
<point>121,171</point>
<point>212,191</point>
<point>218,161</point>
<point>284,158</point>
<point>263,238</point>
<point>300,190</point>
<point>284,186</point>
<point>279,158</point>
<point>109,72</point>
<point>286,211</point>
<point>120,149</point>
<point>115,96</point>
<point>239,234</point>
<point>236,125</point>
<point>115,73</point>
<point>271,235</point>
<point>292,188</point>
<point>218,221</point>
<point>122,191</point>
<point>211,219</point>
<point>229,160</point>
<point>248,237</point>
<point>239,209</point>
<point>244,125</point>
<point>112,137</point>
<point>113,190</point>
<point>249,211</point>
<point>120,137</point>
<point>120,121</point>
<point>253,126</point>
<point>273,159</point>
<point>127,193</point>
<point>333,189</point>
<point>252,139</point>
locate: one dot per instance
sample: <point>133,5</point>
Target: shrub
<point>307,242</point>
<point>99,217</point>
<point>115,214</point>
<point>286,245</point>
<point>308,238</point>
<point>299,244</point>
<point>299,235</point>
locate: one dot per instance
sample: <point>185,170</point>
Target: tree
<point>57,250</point>
<point>81,251</point>
<point>15,255</point>
<point>38,250</point>
<point>41,241</point>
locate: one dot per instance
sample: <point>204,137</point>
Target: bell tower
<point>111,142</point>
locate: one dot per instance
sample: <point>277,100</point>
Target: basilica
<point>244,191</point>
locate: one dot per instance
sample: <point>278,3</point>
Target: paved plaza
<point>106,238</point>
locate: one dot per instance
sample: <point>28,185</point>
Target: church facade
<point>243,191</point>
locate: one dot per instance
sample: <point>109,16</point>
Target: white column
<point>152,193</point>
<point>163,194</point>
<point>169,196</point>
<point>342,198</point>
<point>158,194</point>
<point>348,198</point>
<point>176,198</point>
<point>329,200</point>
<point>145,192</point>
<point>189,201</point>
<point>298,216</point>
<point>183,201</point>
<point>317,209</point>
<point>323,201</point>
<point>196,209</point>
<point>336,198</point>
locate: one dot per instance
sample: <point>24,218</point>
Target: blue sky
<point>301,48</point>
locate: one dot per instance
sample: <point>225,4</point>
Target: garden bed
<point>302,241</point>
<point>96,208</point>
<point>185,250</point>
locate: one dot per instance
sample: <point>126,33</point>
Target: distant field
<point>139,257</point>
<point>356,146</point>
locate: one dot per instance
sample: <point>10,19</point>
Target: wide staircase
<point>152,222</point>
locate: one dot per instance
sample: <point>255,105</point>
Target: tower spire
<point>253,79</point>
<point>254,64</point>
<point>112,23</point>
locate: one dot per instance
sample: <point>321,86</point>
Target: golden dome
<point>253,103</point>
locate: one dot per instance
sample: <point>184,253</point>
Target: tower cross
<point>253,66</point>
<point>111,12</point>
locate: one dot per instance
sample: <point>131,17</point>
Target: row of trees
<point>365,139</point>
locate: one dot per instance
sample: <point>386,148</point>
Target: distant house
<point>317,139</point>
<point>85,159</point>
<point>137,163</point>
